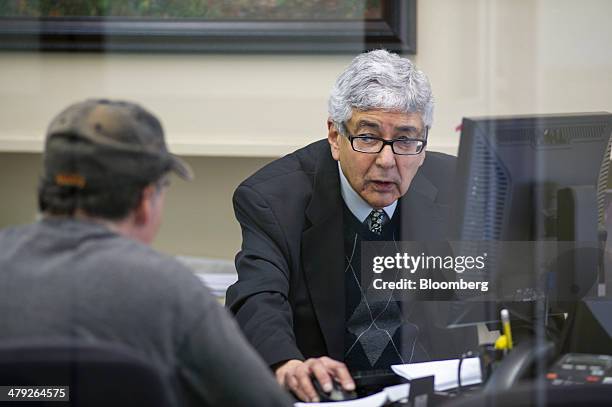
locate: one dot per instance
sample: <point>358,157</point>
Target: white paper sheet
<point>218,282</point>
<point>444,371</point>
<point>397,392</point>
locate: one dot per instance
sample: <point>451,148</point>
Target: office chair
<point>98,373</point>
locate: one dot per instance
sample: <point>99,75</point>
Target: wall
<point>232,113</point>
<point>198,218</point>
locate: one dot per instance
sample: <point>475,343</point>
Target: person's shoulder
<point>18,234</point>
<point>136,256</point>
<point>437,161</point>
<point>130,263</point>
<point>439,170</point>
<point>438,167</point>
<point>124,257</point>
<point>11,232</point>
<point>297,166</point>
<point>11,236</point>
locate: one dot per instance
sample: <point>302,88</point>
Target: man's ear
<point>144,209</point>
<point>333,137</point>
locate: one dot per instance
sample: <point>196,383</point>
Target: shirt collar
<point>356,204</point>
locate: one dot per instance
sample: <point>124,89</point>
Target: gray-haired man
<point>300,298</point>
<point>85,271</point>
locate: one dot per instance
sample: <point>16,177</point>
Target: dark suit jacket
<point>290,297</point>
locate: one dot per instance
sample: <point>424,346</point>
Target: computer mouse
<point>336,394</point>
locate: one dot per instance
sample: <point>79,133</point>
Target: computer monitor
<point>589,327</point>
<point>531,179</point>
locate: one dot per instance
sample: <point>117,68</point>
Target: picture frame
<point>395,31</point>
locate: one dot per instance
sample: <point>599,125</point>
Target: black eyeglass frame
<point>350,137</point>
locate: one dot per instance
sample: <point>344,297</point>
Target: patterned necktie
<point>375,220</point>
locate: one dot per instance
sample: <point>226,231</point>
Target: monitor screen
<point>511,168</point>
<point>533,182</point>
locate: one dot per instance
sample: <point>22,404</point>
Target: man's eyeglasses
<point>412,144</point>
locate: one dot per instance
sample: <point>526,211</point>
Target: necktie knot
<point>375,220</point>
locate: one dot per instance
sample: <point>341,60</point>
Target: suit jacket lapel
<point>323,256</point>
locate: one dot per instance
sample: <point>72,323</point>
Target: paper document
<point>444,372</point>
<point>216,274</point>
<point>387,395</point>
<point>218,282</point>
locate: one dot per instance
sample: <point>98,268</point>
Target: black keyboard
<point>369,381</point>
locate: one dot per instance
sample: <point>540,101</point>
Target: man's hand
<point>295,375</point>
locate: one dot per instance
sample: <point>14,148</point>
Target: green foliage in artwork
<point>196,9</point>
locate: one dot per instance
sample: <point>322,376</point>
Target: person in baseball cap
<point>99,154</point>
<point>85,271</point>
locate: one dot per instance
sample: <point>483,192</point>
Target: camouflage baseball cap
<point>98,142</point>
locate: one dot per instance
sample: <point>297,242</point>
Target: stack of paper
<point>218,282</point>
<point>217,274</point>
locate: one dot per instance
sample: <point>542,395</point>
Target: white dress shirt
<point>356,204</point>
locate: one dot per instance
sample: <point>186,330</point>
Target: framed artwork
<point>275,26</point>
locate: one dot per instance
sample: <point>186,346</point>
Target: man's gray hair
<point>380,80</point>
